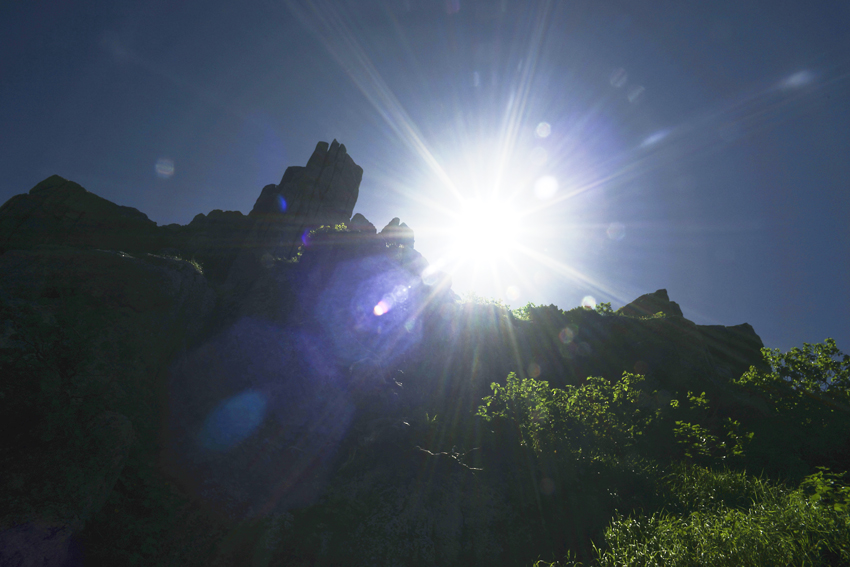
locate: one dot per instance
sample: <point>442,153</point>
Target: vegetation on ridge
<point>579,469</point>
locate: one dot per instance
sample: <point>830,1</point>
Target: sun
<point>485,229</point>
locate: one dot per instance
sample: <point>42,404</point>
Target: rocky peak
<point>58,212</point>
<point>650,304</point>
<point>397,233</point>
<point>321,193</point>
<point>359,223</point>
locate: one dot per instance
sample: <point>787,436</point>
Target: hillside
<point>294,387</point>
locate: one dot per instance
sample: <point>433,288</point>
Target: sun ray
<point>323,19</point>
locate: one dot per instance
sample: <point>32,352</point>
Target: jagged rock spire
<point>323,192</point>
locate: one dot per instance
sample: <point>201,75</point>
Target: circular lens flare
<point>543,130</point>
<point>381,308</point>
<point>164,168</point>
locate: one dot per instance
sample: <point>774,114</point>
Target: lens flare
<point>381,308</point>
<point>233,421</point>
<point>797,80</point>
<point>399,294</point>
<point>164,168</point>
<point>543,130</point>
<point>618,78</point>
<point>512,292</point>
<point>616,231</point>
<point>566,335</point>
<point>635,93</point>
<point>654,138</point>
<point>588,302</point>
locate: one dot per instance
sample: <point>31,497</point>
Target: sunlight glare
<point>546,187</point>
<point>486,228</point>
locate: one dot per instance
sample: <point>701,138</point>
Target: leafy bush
<point>815,376</point>
<point>806,526</point>
<point>598,417</point>
<point>524,312</point>
<point>475,299</point>
<point>804,396</point>
<point>604,308</point>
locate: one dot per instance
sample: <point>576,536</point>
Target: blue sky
<point>699,147</point>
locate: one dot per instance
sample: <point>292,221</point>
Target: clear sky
<point>615,147</point>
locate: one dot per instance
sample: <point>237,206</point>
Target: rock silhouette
<point>245,371</point>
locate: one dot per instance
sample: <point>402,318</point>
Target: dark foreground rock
<point>287,387</point>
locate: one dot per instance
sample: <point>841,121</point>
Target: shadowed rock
<point>359,223</point>
<point>397,233</point>
<point>650,304</point>
<point>321,193</point>
<point>58,212</point>
<point>289,398</point>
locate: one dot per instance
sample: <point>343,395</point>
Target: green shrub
<point>804,398</point>
<point>597,418</point>
<point>809,525</point>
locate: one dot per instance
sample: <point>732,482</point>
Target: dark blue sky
<point>699,147</point>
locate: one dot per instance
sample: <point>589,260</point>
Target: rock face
<point>672,352</point>
<point>258,384</point>
<point>322,193</point>
<point>57,212</point>
<point>85,334</point>
<point>55,492</point>
<point>397,233</point>
<point>650,304</point>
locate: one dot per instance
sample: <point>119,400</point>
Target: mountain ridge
<point>248,364</point>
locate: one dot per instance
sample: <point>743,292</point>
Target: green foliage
<point>587,421</point>
<point>698,442</point>
<point>475,299</point>
<point>524,312</point>
<point>194,263</point>
<point>804,398</point>
<point>806,526</point>
<point>328,229</point>
<point>816,375</point>
<point>294,259</point>
<point>604,308</point>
